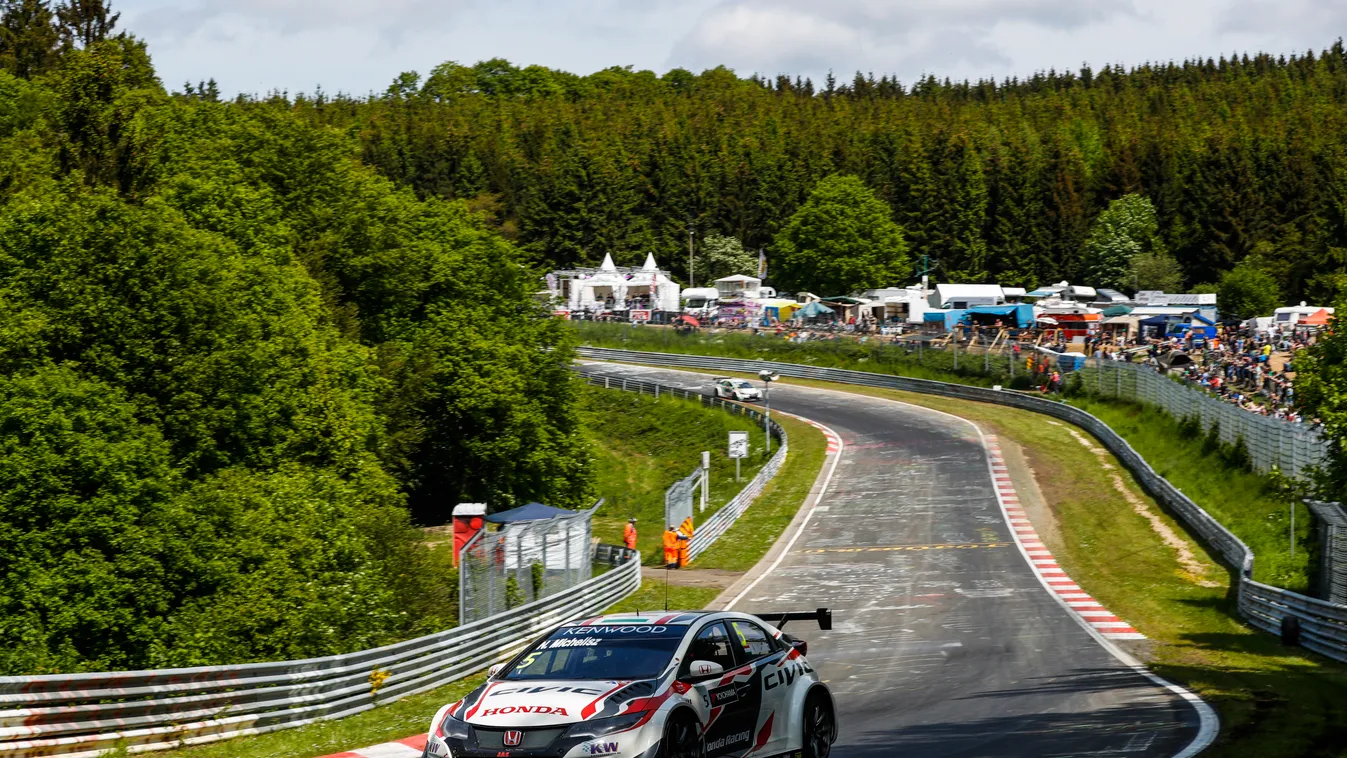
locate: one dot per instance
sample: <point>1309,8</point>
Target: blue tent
<point>1024,314</point>
<point>813,310</point>
<point>530,512</point>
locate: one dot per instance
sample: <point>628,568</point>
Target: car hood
<point>543,703</point>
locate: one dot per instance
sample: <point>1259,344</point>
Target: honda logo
<point>512,739</point>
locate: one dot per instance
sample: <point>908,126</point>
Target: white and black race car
<point>735,389</point>
<point>668,685</point>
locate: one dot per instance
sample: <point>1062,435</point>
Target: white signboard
<point>738,444</point>
<point>640,315</point>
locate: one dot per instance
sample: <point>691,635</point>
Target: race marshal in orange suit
<point>629,534</point>
<point>671,546</point>
<point>685,533</point>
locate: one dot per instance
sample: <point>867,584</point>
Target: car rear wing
<point>823,616</point>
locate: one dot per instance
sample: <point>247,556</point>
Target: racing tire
<point>819,727</point>
<point>681,738</point>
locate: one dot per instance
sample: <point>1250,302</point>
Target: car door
<point>772,681</point>
<point>729,727</point>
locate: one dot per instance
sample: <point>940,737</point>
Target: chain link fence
<point>523,563</point>
<point>1273,444</point>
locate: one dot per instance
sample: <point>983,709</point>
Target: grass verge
<point>754,533</point>
<point>641,446</point>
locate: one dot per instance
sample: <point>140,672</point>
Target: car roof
<point>659,618</point>
<point>655,618</point>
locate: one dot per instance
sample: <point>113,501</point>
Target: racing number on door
<point>733,716</point>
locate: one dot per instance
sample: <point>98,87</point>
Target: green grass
<point>1251,505</point>
<point>740,548</point>
<point>642,446</point>
<point>651,596</point>
<point>394,721</point>
<point>1248,504</point>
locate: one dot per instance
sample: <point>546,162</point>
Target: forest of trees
<point>1242,158</point>
<point>236,367</point>
<point>246,346</point>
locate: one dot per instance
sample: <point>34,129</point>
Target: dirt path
<point>1194,569</point>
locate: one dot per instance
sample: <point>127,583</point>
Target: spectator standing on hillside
<point>629,534</point>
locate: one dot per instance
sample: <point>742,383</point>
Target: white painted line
<point>823,490</point>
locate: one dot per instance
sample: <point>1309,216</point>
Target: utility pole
<point>927,266</point>
<point>692,228</point>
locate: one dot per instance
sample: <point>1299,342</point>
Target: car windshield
<point>618,651</point>
<point>743,385</point>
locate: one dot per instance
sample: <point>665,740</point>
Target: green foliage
<point>721,256</point>
<point>842,239</point>
<point>1156,271</point>
<point>231,357</point>
<point>1246,292</point>
<point>992,180</point>
<point>1321,391</point>
<point>1128,228</point>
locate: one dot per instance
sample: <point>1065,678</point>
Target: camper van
<point>701,302</point>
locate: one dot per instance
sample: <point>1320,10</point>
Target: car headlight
<point>452,728</point>
<point>588,730</point>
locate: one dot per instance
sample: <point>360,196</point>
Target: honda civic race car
<point>669,685</point>
<point>735,389</point>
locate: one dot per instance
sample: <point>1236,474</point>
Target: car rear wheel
<point>820,728</point>
<point>681,739</point>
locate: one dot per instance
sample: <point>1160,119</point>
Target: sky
<point>360,46</point>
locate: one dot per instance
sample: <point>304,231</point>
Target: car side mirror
<point>701,670</point>
<point>491,672</point>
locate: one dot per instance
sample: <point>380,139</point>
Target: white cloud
<point>360,45</point>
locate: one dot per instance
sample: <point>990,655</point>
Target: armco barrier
<point>1323,625</point>
<point>86,714</point>
<point>708,532</point>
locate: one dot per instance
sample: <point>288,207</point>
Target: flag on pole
<point>762,263</point>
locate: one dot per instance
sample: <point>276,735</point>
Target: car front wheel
<point>681,739</point>
<point>820,728</point>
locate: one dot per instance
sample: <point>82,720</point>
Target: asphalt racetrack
<point>941,652</point>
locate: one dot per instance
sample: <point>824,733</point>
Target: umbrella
<point>690,321</point>
<point>1047,320</point>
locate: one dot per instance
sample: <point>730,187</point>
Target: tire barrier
<point>711,530</point>
<point>84,715</point>
<point>1322,625</point>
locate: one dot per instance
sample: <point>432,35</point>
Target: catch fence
<point>1318,625</point>
<point>523,562</point>
<point>1273,444</point>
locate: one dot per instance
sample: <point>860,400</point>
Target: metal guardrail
<point>81,715</point>
<point>1291,448</point>
<point>1323,624</point>
<point>719,523</point>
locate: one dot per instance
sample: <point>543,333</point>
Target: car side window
<point>752,642</point>
<point>712,644</point>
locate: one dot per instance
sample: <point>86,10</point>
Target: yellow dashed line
<point>895,548</point>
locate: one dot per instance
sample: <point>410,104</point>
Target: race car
<point>675,684</point>
<point>735,389</point>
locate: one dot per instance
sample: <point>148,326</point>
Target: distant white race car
<point>669,685</point>
<point>735,389</point>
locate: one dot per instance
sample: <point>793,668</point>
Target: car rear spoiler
<point>823,616</point>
